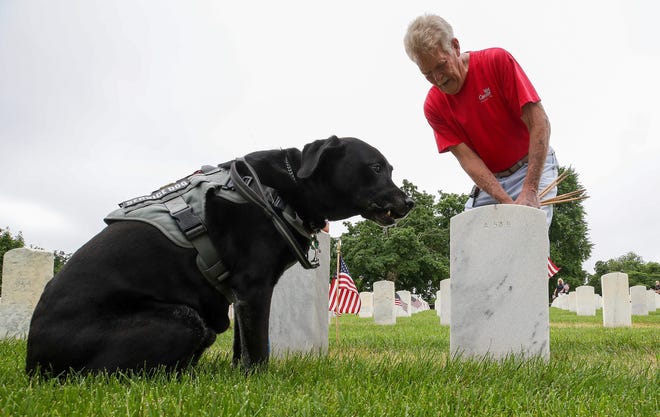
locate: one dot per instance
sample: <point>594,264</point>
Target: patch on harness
<point>158,194</point>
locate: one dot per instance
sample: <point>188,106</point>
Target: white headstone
<point>437,303</point>
<point>367,308</point>
<point>571,302</point>
<point>638,305</point>
<point>499,282</point>
<point>650,300</point>
<point>405,309</point>
<point>25,273</point>
<point>299,308</point>
<point>657,301</point>
<point>586,304</point>
<point>616,300</point>
<point>561,302</point>
<point>445,302</point>
<point>384,302</point>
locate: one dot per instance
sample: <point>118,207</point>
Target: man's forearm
<point>480,174</point>
<point>539,137</point>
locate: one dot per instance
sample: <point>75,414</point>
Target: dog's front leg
<point>252,310</point>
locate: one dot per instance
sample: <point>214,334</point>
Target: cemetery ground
<point>398,370</point>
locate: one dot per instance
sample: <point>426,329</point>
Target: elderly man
<point>485,111</point>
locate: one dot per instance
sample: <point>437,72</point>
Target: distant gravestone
<point>638,306</point>
<point>598,301</point>
<point>25,273</point>
<point>445,302</point>
<point>499,282</point>
<point>571,302</point>
<point>560,302</point>
<point>437,303</point>
<point>650,300</point>
<point>586,306</point>
<point>384,312</point>
<point>405,309</point>
<point>616,300</point>
<point>299,308</point>
<point>367,308</point>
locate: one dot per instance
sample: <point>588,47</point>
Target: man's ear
<point>314,153</point>
<point>456,45</point>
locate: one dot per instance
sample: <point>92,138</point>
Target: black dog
<point>132,299</point>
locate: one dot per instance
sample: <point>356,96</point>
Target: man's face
<point>444,69</point>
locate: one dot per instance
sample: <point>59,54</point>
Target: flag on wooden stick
<point>552,268</point>
<point>346,298</point>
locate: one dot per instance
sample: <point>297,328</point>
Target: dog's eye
<point>377,168</point>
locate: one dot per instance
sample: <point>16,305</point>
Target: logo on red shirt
<point>486,95</point>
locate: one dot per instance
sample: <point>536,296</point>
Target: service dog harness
<point>178,211</point>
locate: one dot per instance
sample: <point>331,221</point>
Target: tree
<point>569,235</point>
<point>7,243</point>
<point>61,258</point>
<point>639,272</point>
<point>414,253</point>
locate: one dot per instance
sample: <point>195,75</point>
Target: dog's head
<point>357,176</point>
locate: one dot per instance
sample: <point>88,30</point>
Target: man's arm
<point>474,166</point>
<point>534,116</point>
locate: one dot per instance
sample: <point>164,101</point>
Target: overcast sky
<point>101,101</point>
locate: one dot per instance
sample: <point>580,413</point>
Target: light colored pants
<point>514,182</point>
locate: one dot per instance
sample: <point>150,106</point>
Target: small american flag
<point>552,268</point>
<point>347,298</point>
<point>399,302</point>
<point>416,302</point>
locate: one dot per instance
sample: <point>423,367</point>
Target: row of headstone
<point>381,305</point>
<point>495,303</point>
<point>643,301</point>
<point>619,301</point>
<point>583,301</point>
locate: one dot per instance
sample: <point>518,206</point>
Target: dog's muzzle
<point>389,213</point>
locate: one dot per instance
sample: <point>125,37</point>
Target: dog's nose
<point>410,203</point>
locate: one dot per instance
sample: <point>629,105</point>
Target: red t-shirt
<point>486,113</point>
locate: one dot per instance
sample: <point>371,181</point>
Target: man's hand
<point>528,198</point>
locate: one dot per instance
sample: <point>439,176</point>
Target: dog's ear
<point>313,153</point>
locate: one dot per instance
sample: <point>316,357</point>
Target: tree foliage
<point>639,272</point>
<point>414,253</point>
<point>569,234</point>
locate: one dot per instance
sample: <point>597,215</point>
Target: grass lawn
<point>400,370</point>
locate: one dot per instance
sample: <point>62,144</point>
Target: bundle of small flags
<point>576,195</point>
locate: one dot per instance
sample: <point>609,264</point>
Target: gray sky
<point>101,100</point>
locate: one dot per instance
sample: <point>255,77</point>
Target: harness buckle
<point>189,223</point>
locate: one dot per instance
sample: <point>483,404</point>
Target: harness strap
<point>208,259</point>
<point>280,224</point>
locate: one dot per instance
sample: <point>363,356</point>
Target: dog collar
<point>256,194</point>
